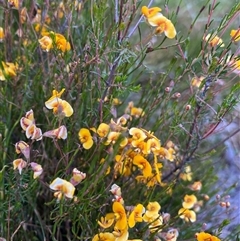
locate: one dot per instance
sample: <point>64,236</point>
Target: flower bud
<point>167,89</point>
<point>204,226</point>
<point>188,107</point>
<point>206,197</point>
<point>176,95</point>
<point>222,204</point>
<point>218,196</point>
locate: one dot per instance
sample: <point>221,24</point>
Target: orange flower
<point>120,216</point>
<point>1,34</point>
<point>136,215</point>
<point>19,164</point>
<point>61,42</point>
<point>143,164</point>
<point>120,234</point>
<point>202,236</point>
<point>85,138</point>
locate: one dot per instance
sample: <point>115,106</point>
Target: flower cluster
<point>8,70</point>
<point>54,40</point>
<point>156,19</point>
<point>61,108</point>
<point>232,61</point>
<point>137,147</point>
<point>185,212</point>
<point>124,218</point>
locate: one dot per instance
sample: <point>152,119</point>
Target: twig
<point>19,226</point>
<point>220,142</point>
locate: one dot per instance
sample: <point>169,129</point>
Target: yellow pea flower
<point>136,215</point>
<point>107,221</point>
<point>187,174</point>
<point>112,137</point>
<point>46,43</point>
<point>52,39</point>
<point>14,3</point>
<point>137,134</point>
<point>165,26</point>
<point>214,40</point>
<point>137,112</point>
<point>155,225</point>
<point>156,19</point>
<point>143,164</point>
<point>59,106</point>
<point>202,236</point>
<point>120,234</point>
<point>85,138</point>
<point>187,215</point>
<point>189,201</point>
<point>150,12</point>
<point>104,237</point>
<point>1,34</point>
<point>152,210</point>
<point>235,34</point>
<point>153,145</point>
<point>103,130</point>
<point>120,216</point>
<point>62,43</point>
<point>62,187</point>
<point>10,69</point>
